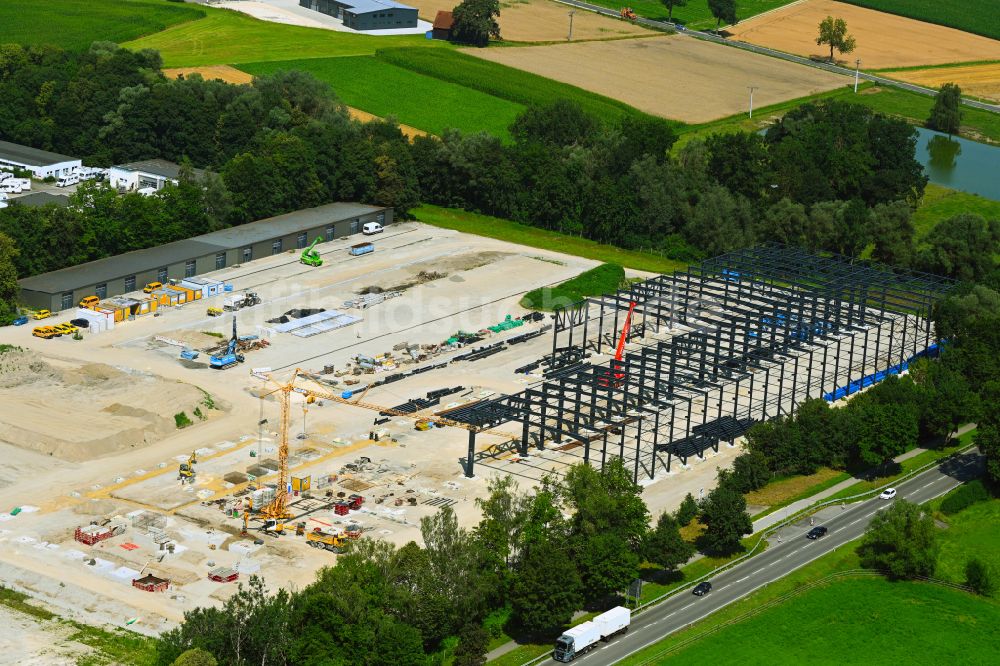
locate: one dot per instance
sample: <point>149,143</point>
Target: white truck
<point>584,637</point>
<point>239,301</point>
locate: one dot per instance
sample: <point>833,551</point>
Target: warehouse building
<point>63,289</point>
<point>41,163</point>
<point>366,14</point>
<point>153,174</point>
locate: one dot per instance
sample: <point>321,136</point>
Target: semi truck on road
<point>584,637</point>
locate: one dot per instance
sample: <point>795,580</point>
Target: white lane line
<point>742,579</point>
<point>926,485</point>
<point>666,616</point>
<point>856,521</point>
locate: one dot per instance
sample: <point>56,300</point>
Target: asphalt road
<point>781,558</point>
<point>830,67</point>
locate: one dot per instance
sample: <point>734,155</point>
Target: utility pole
<point>751,89</point>
<point>857,72</point>
<point>569,37</point>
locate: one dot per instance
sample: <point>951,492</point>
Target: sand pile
<point>86,411</point>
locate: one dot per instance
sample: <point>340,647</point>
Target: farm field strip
<point>883,40</point>
<point>981,81</point>
<point>695,14</point>
<point>978,16</point>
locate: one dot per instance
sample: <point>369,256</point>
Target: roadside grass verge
<point>784,491</point>
<point>603,279</point>
<point>523,234</point>
<point>75,24</point>
<point>940,203</point>
<point>424,102</point>
<point>227,37</point>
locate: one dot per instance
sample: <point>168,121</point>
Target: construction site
<point>350,389</point>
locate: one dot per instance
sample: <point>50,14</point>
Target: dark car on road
<point>817,532</point>
<point>701,589</point>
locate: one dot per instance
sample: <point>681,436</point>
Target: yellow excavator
<point>186,472</point>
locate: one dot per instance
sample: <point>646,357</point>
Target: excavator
<point>230,358</point>
<point>615,377</point>
<point>186,472</point>
<point>310,257</point>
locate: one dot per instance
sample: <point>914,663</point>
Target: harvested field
<point>542,21</point>
<point>232,75</point>
<point>975,80</point>
<point>884,40</point>
<point>674,77</point>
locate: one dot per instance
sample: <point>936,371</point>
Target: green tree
<point>723,10</point>
<point>833,32</point>
<point>687,511</point>
<point>606,563</point>
<point>498,535</point>
<point>901,540</point>
<point>887,430</point>
<point>739,161</point>
<point>786,222</point>
<point>547,590</point>
<point>893,233</point>
<point>724,511</point>
<point>476,22</point>
<point>10,290</point>
<point>561,123</point>
<point>453,565</point>
<point>980,577</point>
<point>946,114</point>
<point>751,471</point>
<point>962,247</point>
<point>670,4</point>
<point>195,657</point>
<point>664,545</point>
<point>947,399</point>
<point>473,642</point>
<point>987,438</point>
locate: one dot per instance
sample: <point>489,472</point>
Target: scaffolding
<point>712,349</point>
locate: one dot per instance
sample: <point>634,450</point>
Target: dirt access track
<point>542,21</point>
<point>232,75</point>
<point>676,77</point>
<point>883,40</point>
<point>975,80</point>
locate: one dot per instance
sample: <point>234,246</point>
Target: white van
<point>372,228</point>
<point>67,180</point>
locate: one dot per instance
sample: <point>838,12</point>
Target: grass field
<point>509,83</point>
<point>494,227</point>
<point>603,279</point>
<point>979,16</point>
<point>415,99</point>
<point>227,37</point>
<point>940,203</point>
<point>972,532</point>
<point>75,24</point>
<point>695,14</point>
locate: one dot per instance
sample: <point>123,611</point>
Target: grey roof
<point>37,199</point>
<point>15,152</point>
<point>137,261</point>
<point>164,168</point>
<point>365,6</point>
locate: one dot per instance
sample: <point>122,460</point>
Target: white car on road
<point>888,494</point>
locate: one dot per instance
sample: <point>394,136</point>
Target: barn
<point>366,14</point>
<point>442,25</point>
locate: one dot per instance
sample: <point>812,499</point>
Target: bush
<point>182,420</point>
<point>979,576</point>
<point>495,622</point>
<point>687,510</point>
<point>604,279</point>
<point>964,496</point>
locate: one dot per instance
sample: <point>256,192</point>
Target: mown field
<point>603,279</point>
<point>75,24</point>
<point>695,14</point>
<point>940,203</point>
<point>227,37</point>
<point>384,89</point>
<point>972,532</point>
<point>979,16</point>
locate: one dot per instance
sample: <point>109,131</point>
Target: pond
<point>959,163</point>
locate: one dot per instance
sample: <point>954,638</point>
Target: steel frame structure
<point>714,348</point>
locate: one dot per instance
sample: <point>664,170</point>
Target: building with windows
<point>124,273</point>
<point>366,14</point>
<point>41,163</point>
<point>153,174</point>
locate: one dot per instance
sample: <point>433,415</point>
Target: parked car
<point>151,287</point>
<point>80,323</point>
<point>702,588</point>
<point>89,302</point>
<point>888,494</point>
<point>371,228</point>
<point>817,532</point>
<point>43,314</point>
<point>20,321</point>
<point>45,332</point>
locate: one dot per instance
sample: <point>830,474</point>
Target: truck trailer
<point>584,637</point>
<point>361,248</point>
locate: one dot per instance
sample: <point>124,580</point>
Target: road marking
<point>856,521</point>
<point>666,616</point>
<point>926,485</point>
<point>742,579</point>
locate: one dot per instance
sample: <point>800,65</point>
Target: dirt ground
<point>883,40</point>
<point>232,75</point>
<point>975,80</point>
<point>542,21</point>
<point>675,77</point>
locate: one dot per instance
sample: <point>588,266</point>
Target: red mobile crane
<point>615,377</point>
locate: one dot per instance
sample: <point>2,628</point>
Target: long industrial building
<point>124,273</point>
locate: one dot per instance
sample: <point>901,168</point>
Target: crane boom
<point>620,349</point>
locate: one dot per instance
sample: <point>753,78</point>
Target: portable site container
<point>127,308</point>
<point>207,286</point>
<point>165,297</point>
<point>98,320</point>
<point>187,294</point>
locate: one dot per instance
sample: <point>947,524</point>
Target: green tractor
<point>310,257</point>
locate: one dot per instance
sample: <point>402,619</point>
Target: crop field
<point>227,37</point>
<point>542,21</point>
<point>672,77</point>
<point>883,40</point>
<point>421,101</point>
<point>512,84</point>
<point>75,24</point>
<point>695,14</point>
<point>976,80</point>
<point>979,16</point>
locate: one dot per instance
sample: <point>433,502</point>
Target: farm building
<point>180,260</point>
<point>442,25</point>
<point>366,14</point>
<point>41,163</point>
<point>147,173</point>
